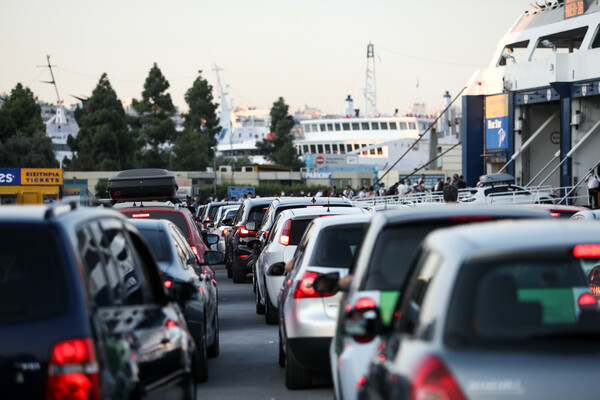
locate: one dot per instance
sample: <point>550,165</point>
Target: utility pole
<point>370,84</point>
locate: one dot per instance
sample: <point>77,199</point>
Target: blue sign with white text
<point>10,176</point>
<point>496,122</point>
<point>239,192</point>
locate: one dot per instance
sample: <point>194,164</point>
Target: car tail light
<point>245,232</point>
<point>595,290</point>
<point>284,239</point>
<point>587,299</point>
<point>304,288</point>
<point>361,381</point>
<point>73,371</point>
<point>169,323</point>
<point>195,250</point>
<point>146,215</point>
<point>586,250</point>
<point>168,284</point>
<point>555,214</point>
<point>432,380</point>
<point>363,304</point>
<point>471,218</point>
<point>224,233</point>
<point>314,206</point>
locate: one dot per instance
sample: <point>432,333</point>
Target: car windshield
<point>158,242</point>
<point>256,214</point>
<point>32,279</point>
<point>336,247</point>
<point>524,300</point>
<point>297,230</point>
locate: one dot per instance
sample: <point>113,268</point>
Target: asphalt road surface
<point>246,367</point>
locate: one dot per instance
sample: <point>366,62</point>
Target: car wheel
<point>229,272</point>
<point>190,387</point>
<point>238,276</point>
<point>213,350</point>
<point>271,314</point>
<point>296,376</point>
<point>201,367</point>
<point>260,308</point>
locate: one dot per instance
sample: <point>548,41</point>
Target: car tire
<point>201,367</point>
<point>213,349</point>
<point>189,389</point>
<point>296,376</point>
<point>238,276</point>
<point>281,353</point>
<point>271,312</point>
<point>229,272</point>
<point>260,308</point>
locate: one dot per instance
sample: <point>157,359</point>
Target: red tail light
<point>433,381</point>
<point>169,323</point>
<point>73,371</point>
<point>587,250</point>
<point>224,233</point>
<point>284,239</point>
<point>304,287</point>
<point>168,284</point>
<point>140,215</point>
<point>587,299</point>
<point>245,232</point>
<point>555,214</point>
<point>194,250</point>
<point>472,218</point>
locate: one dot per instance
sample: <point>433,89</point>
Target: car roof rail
<point>68,205</point>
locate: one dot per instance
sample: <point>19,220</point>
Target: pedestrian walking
<point>593,184</point>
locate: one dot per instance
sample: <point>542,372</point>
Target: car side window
<point>102,294</point>
<point>238,215</point>
<point>181,246</point>
<point>275,230</point>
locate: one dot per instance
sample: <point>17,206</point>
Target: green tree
<point>154,124</point>
<point>23,140</point>
<point>280,148</point>
<point>104,142</point>
<point>193,148</point>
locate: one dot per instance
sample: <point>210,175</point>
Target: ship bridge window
<point>327,149</point>
<point>322,126</point>
<point>314,127</point>
<point>355,126</point>
<point>334,148</point>
<point>320,148</point>
<point>356,146</point>
<point>349,148</point>
<point>384,126</point>
<point>412,125</point>
<point>596,41</point>
<point>403,126</point>
<point>305,148</point>
<point>342,148</point>
<point>346,126</point>
<point>379,151</point>
<point>330,127</point>
<point>306,128</point>
<point>393,126</point>
<point>337,127</point>
<point>313,149</point>
<point>514,52</point>
<point>365,126</point>
<point>562,42</point>
<point>375,126</point>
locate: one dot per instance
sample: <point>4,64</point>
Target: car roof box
<point>142,184</point>
<point>491,179</point>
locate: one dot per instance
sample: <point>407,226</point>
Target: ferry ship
<point>534,112</point>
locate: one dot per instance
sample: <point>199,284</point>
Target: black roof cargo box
<point>145,183</point>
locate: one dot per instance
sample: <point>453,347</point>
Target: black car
<point>246,222</point>
<point>83,310</point>
<point>178,263</point>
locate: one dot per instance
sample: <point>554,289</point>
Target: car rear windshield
<point>175,217</point>
<point>32,277</point>
<point>336,247</point>
<point>256,214</point>
<point>158,242</point>
<point>524,301</point>
<point>297,230</point>
<point>393,252</point>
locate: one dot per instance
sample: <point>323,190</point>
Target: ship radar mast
<point>224,112</point>
<point>370,84</point>
<point>60,117</point>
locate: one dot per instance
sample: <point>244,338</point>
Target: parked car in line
<point>307,318</point>
<point>247,220</point>
<point>177,263</point>
<point>500,189</point>
<point>380,269</point>
<point>207,217</point>
<point>492,311</point>
<point>558,210</point>
<point>224,221</point>
<point>84,310</point>
<point>586,215</point>
<point>280,246</point>
<point>179,215</point>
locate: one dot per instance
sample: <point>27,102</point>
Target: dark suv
<point>83,310</point>
<point>246,222</point>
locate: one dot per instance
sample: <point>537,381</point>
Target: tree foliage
<point>23,140</point>
<point>193,148</point>
<point>279,149</point>
<point>154,124</point>
<point>104,142</point>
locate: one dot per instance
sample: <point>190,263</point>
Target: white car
<point>225,214</point>
<point>280,245</point>
<point>500,189</point>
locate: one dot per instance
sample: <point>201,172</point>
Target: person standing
<point>593,184</point>
<point>382,189</point>
<point>319,193</point>
<point>439,185</point>
<point>349,193</point>
<point>450,194</point>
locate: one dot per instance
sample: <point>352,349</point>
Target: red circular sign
<point>320,160</point>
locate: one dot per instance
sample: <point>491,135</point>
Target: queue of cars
<point>413,302</point>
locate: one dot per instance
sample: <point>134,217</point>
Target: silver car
<point>307,318</point>
<point>280,246</point>
<point>223,221</point>
<point>493,311</point>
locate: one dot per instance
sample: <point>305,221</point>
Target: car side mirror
<point>363,324</point>
<point>328,283</point>
<point>213,257</point>
<point>277,269</point>
<point>212,239</point>
<point>181,291</point>
<point>251,225</point>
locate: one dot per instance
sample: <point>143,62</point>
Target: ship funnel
<point>348,107</point>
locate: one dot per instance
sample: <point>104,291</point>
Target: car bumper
<point>311,353</point>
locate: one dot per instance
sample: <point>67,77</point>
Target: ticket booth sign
<point>31,176</point>
<point>496,122</point>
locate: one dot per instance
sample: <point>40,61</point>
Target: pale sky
<point>309,52</point>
